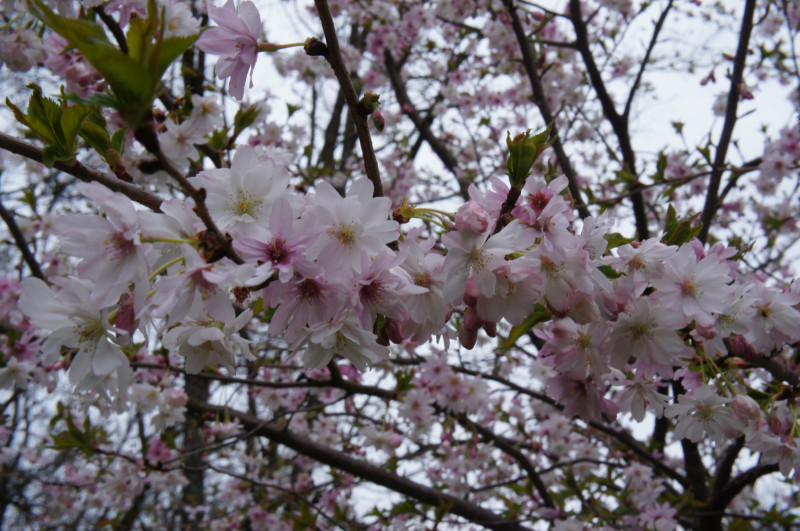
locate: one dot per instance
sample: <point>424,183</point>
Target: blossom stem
<point>163,268</point>
<point>271,47</point>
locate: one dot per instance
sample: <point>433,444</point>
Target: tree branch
<point>364,470</point>
<point>515,453</point>
<point>76,169</point>
<point>659,25</point>
<point>422,124</point>
<point>712,199</point>
<point>22,245</point>
<point>529,63</point>
<point>619,123</point>
<point>336,61</point>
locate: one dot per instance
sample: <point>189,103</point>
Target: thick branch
<point>529,62</point>
<point>712,199</point>
<point>76,169</point>
<point>725,466</point>
<point>336,61</point>
<point>619,123</point>
<point>737,484</point>
<point>364,470</point>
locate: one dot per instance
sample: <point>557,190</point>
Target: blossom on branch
<point>235,40</point>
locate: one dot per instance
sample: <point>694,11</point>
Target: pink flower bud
<point>471,292</point>
<point>746,409</point>
<point>471,217</point>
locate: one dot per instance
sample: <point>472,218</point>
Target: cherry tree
<point>423,264</point>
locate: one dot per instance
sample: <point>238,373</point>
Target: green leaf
<point>130,81</point>
<point>72,118</point>
<point>53,153</point>
<point>244,118</point>
<point>523,151</point>
<point>93,131</point>
<point>118,140</point>
<point>615,239</point>
<point>171,49</point>
<point>678,231</point>
<point>609,271</point>
<point>540,314</point>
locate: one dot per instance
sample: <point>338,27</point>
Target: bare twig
<point>712,199</point>
<point>199,198</point>
<point>22,245</point>
<point>656,30</point>
<point>422,124</point>
<point>336,61</point>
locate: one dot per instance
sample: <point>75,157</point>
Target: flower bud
<point>523,150</point>
<point>315,48</point>
<point>471,217</point>
<point>745,409</point>
<point>378,121</point>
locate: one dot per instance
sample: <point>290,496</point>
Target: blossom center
<point>688,288</point>
<point>476,259</point>
<point>120,245</point>
<point>373,292</point>
<point>276,251</point>
<point>244,203</point>
<point>549,267</point>
<point>423,279</point>
<point>309,290</point>
<point>346,234</point>
<point>641,331</point>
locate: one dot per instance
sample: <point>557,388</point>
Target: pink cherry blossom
<point>235,40</point>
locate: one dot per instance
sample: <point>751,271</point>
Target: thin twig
<point>198,196</point>
<point>712,199</point>
<point>656,30</point>
<point>22,245</point>
<point>336,61</point>
<point>422,124</point>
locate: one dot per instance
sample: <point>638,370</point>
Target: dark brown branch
<point>336,61</point>
<point>515,453</point>
<point>332,133</point>
<point>112,25</point>
<point>739,348</point>
<point>656,30</point>
<point>619,123</point>
<point>22,245</point>
<point>529,63</point>
<point>364,470</point>
<point>200,208</point>
<point>695,470</point>
<point>422,124</point>
<point>725,466</point>
<point>621,435</point>
<point>712,199</point>
<point>737,484</point>
<point>76,169</point>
